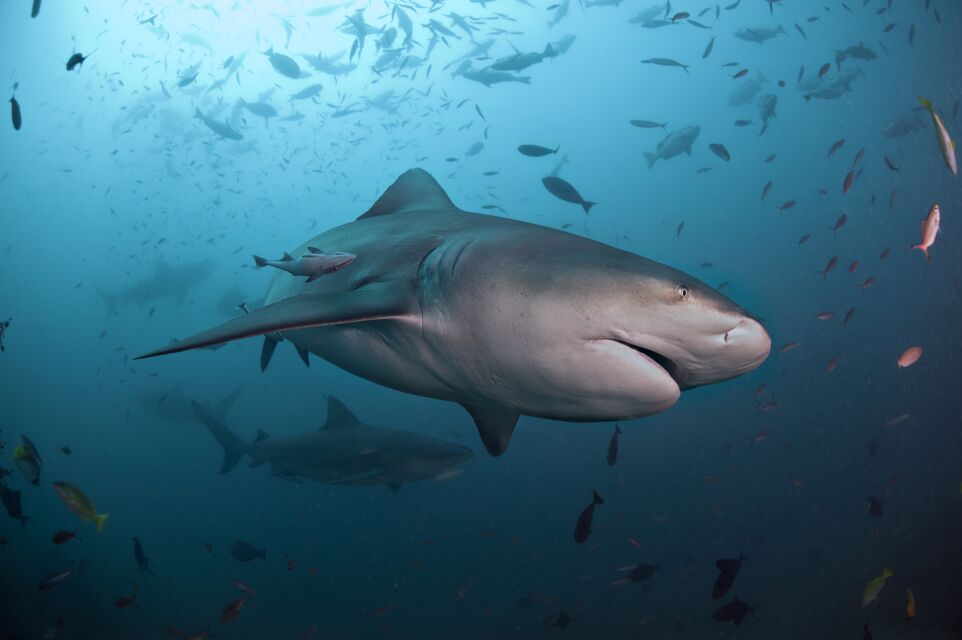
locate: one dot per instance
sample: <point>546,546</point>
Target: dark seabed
<point>777,151</point>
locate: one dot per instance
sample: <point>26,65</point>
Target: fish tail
<point>101,520</point>
<point>232,445</point>
<point>587,206</point>
<point>260,262</point>
<point>923,249</point>
<point>887,573</point>
<point>650,159</point>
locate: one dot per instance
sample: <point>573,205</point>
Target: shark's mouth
<point>670,366</point>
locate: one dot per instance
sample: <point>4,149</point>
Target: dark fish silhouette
<point>735,611</point>
<point>245,552</point>
<point>143,564</point>
<point>77,60</point>
<point>643,571</point>
<point>563,190</point>
<point>35,11</point>
<point>613,447</point>
<point>15,113</point>
<point>11,502</point>
<point>729,569</point>
<point>720,151</point>
<point>583,526</point>
<point>536,150</point>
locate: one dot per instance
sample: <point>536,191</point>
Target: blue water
<point>110,175</point>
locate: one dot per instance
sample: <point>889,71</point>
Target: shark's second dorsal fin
<point>339,416</point>
<point>416,189</point>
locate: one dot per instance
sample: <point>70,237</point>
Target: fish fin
<point>495,425</point>
<point>232,445</point>
<point>314,276</point>
<point>650,159</point>
<point>415,189</point>
<point>261,436</point>
<point>101,520</point>
<point>587,206</point>
<point>267,351</point>
<point>338,415</point>
<point>223,406</point>
<point>314,250</point>
<point>304,354</point>
<point>287,257</point>
<point>373,302</point>
<point>887,573</point>
<point>260,262</point>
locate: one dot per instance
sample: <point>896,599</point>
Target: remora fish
<point>419,317</point>
<point>312,265</point>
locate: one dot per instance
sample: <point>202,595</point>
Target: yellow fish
<point>873,588</point>
<point>78,502</point>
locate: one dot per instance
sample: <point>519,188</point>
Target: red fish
<point>62,537</point>
<point>232,610</point>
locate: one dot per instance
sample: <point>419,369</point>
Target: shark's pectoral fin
<point>374,302</point>
<point>304,354</point>
<point>495,426</point>
<point>267,351</point>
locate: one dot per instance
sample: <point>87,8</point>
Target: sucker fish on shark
<point>504,317</point>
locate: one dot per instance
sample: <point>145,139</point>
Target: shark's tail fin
<point>232,445</point>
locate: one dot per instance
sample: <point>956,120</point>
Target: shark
<point>344,451</point>
<point>167,281</point>
<point>502,316</point>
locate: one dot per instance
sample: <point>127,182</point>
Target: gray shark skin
<point>343,451</point>
<point>503,317</point>
<point>167,281</point>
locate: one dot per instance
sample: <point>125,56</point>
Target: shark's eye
<point>684,293</point>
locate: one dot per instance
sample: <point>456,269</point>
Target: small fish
<point>647,124</point>
<point>563,190</point>
<point>65,450</point>
<point>848,316</point>
<point>232,610</point>
<point>728,570</point>
<point>849,181</point>
<point>767,189</point>
<point>77,60</point>
<point>720,151</point>
<point>246,588</point>
<point>805,238</point>
<point>15,114</point>
<point>831,264</point>
<point>734,612</point>
<point>788,346</point>
<point>838,144</point>
<point>583,525</point>
<point>785,206</point>
<point>536,151</point>
<point>312,265</point>
<point>842,219</point>
<point>909,357</point>
<point>824,69</point>
<point>832,365</point>
<point>930,230</point>
<point>910,610</point>
<point>708,48</point>
<point>891,165</point>
<point>78,502</point>
<point>681,227</point>
<point>742,123</point>
<point>946,144</point>
<point>825,315</point>
<point>666,62</point>
<point>245,552</point>
<point>55,579</point>
<point>62,537</point>
<point>740,74</point>
<point>613,447</point>
<point>874,587</point>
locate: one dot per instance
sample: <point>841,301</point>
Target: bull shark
<point>502,316</point>
<point>167,281</point>
<point>343,451</point>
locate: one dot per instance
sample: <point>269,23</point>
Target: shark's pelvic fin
<point>267,351</point>
<point>495,426</point>
<point>413,191</point>
<point>374,302</point>
<point>338,415</point>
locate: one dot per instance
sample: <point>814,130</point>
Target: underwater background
<point>128,221</point>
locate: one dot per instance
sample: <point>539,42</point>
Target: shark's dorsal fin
<point>495,426</point>
<point>416,189</point>
<point>339,416</point>
<point>261,436</point>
